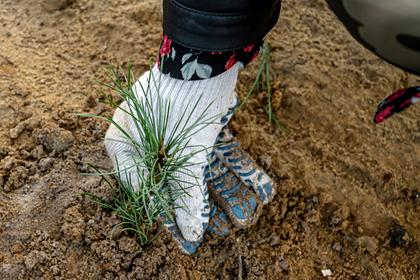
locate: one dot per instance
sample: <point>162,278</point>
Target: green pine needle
<point>157,161</point>
<point>262,83</point>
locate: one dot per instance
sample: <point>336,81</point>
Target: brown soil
<point>348,191</point>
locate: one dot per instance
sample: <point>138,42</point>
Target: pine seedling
<point>158,158</point>
<point>262,83</point>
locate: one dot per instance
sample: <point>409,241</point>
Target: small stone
<point>45,163</point>
<point>397,236</point>
<point>266,160</point>
<point>326,272</point>
<point>284,264</point>
<point>17,130</point>
<point>54,138</point>
<point>335,220</point>
<point>38,152</point>
<point>368,243</point>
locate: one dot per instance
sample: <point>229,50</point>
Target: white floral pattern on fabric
<point>188,64</point>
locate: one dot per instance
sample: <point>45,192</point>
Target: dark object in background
<point>396,236</point>
<point>391,34</point>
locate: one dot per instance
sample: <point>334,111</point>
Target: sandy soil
<point>348,191</point>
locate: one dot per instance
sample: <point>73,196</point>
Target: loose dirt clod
<point>368,243</point>
<point>45,163</point>
<point>54,138</point>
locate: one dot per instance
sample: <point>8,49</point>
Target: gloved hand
<point>190,99</point>
<point>238,190</point>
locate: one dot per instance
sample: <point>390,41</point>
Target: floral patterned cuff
<point>188,64</point>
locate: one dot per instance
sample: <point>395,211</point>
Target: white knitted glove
<point>215,96</point>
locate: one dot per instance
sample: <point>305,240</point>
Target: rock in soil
<point>54,138</point>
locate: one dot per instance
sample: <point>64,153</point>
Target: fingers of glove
<point>241,164</point>
<point>191,202</point>
<point>120,149</point>
<point>219,226</point>
<point>187,247</point>
<point>239,203</point>
<point>192,211</point>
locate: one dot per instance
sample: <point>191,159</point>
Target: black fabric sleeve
<point>219,25</point>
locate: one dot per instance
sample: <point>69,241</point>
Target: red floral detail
<point>213,53</point>
<point>249,48</point>
<point>230,62</point>
<point>166,46</point>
